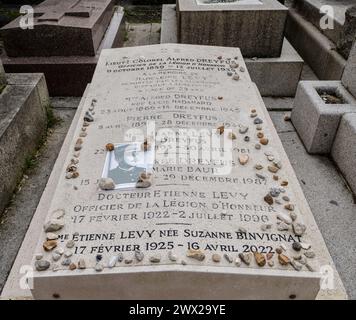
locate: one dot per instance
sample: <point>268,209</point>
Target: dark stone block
<point>61,28</point>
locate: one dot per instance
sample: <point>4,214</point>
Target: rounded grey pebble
<point>81,264</point>
<point>296,246</point>
<point>56,256</point>
<point>42,265</point>
<point>274,192</point>
<point>66,262</point>
<point>309,254</point>
<point>120,257</point>
<point>172,257</point>
<point>260,176</point>
<point>156,258</point>
<point>257,121</point>
<point>112,261</point>
<point>106,184</point>
<point>38,256</point>
<point>99,267</point>
<point>243,129</point>
<point>70,244</point>
<point>68,253</point>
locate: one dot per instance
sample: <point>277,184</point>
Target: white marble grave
<point>183,236</point>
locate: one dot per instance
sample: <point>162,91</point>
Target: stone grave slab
<point>256,27</point>
<point>199,230</point>
<point>265,72</point>
<point>70,49</point>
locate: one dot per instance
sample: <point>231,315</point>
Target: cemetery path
<point>328,196</point>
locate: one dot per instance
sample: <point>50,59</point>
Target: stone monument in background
<point>256,27</point>
<point>64,42</point>
<point>2,77</point>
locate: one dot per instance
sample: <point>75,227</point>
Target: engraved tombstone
<point>223,215</point>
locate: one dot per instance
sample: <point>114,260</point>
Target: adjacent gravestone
<point>64,42</point>
<point>23,124</point>
<point>222,215</point>
<point>349,76</point>
<point>256,27</point>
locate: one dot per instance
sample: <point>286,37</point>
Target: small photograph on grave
<point>126,164</point>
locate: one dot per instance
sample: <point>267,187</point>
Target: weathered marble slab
<point>188,206</point>
<point>61,28</point>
